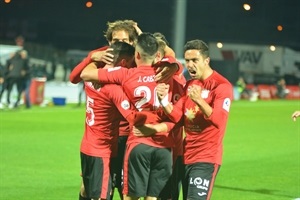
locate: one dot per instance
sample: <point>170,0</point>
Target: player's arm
<point>75,73</point>
<point>101,56</point>
<point>153,129</point>
<point>169,51</point>
<point>217,112</point>
<point>194,93</point>
<point>104,56</point>
<point>174,112</point>
<point>90,72</point>
<point>295,115</point>
<point>166,68</point>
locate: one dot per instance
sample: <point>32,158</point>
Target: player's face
<point>195,63</point>
<point>121,36</point>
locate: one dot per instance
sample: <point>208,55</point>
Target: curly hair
<point>126,25</point>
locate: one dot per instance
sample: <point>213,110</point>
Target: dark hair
<point>122,50</point>
<point>198,45</point>
<point>161,36</point>
<point>148,43</point>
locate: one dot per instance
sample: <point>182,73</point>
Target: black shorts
<point>117,163</point>
<point>172,189</point>
<point>177,177</point>
<point>96,176</point>
<point>147,170</point>
<point>199,180</point>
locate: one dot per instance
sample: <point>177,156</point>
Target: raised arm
<point>102,56</point>
<point>166,68</point>
<point>90,72</point>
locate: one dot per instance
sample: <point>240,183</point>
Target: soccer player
<point>141,180</point>
<point>172,190</point>
<point>120,30</point>
<point>204,111</point>
<point>99,142</point>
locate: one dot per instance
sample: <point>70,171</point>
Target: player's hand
<point>162,90</point>
<point>165,73</point>
<point>103,56</point>
<point>194,92</point>
<point>295,115</point>
<point>144,130</point>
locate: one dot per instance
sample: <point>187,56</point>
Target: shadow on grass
<point>259,191</point>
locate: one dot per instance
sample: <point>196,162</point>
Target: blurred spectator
<point>81,92</point>
<point>241,90</point>
<point>54,64</point>
<point>39,70</point>
<point>17,70</point>
<point>1,76</point>
<point>281,89</point>
<point>68,66</point>
<point>27,83</point>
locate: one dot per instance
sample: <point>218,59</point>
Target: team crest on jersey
<point>125,105</point>
<point>204,93</point>
<point>191,113</point>
<point>226,104</point>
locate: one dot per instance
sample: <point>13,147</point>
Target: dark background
<point>68,24</point>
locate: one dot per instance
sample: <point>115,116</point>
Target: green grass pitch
<point>39,153</point>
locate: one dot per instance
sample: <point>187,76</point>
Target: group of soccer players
<point>138,109</point>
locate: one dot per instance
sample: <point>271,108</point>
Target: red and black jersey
<point>139,85</point>
<point>204,136</point>
<point>75,73</point>
<point>106,106</point>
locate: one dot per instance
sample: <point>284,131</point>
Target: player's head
<point>146,48</point>
<point>162,37</point>
<point>161,49</point>
<point>123,54</point>
<point>19,40</point>
<point>121,30</point>
<point>196,55</point>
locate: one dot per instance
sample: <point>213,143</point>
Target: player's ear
<point>158,56</point>
<point>207,60</point>
<point>138,55</point>
<point>123,63</point>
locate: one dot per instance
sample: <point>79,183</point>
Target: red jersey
<point>75,78</point>
<point>204,136</point>
<point>139,85</point>
<point>177,133</point>
<point>124,128</point>
<point>75,73</point>
<point>105,108</point>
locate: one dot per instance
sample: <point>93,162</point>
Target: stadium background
<point>39,148</point>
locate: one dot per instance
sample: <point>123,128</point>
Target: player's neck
<point>143,63</point>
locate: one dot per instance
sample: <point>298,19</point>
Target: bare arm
<point>149,129</point>
<point>90,72</point>
<point>162,90</point>
<point>169,51</point>
<point>295,115</point>
<point>103,56</point>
